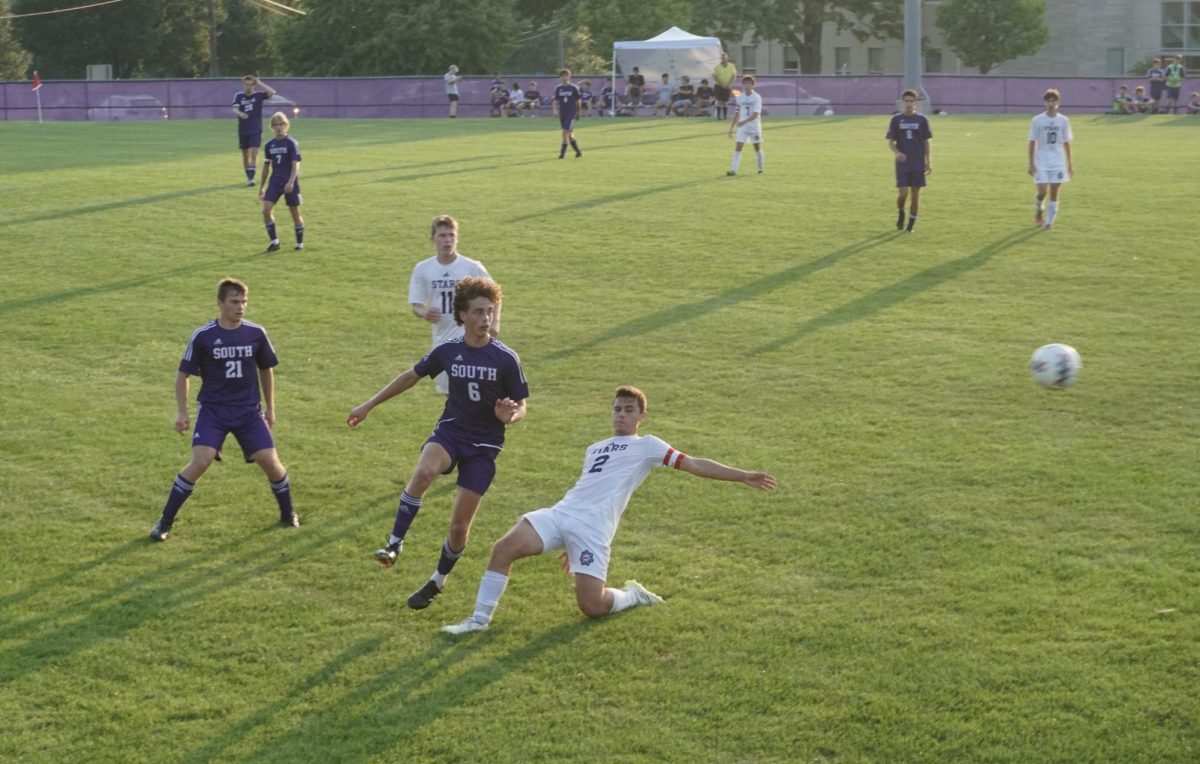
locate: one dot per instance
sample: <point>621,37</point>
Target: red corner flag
<point>37,80</point>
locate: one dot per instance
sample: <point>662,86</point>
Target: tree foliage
<point>800,23</point>
<point>986,33</point>
<point>143,38</point>
<point>15,61</point>
<point>389,37</point>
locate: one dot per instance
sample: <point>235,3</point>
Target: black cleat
<point>290,521</point>
<point>578,154</point>
<point>387,556</point>
<point>160,531</point>
<point>299,247</point>
<point>420,599</point>
<point>274,247</point>
<point>731,173</point>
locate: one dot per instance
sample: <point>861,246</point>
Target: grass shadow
<point>147,596</point>
<point>886,297</point>
<point>119,204</point>
<point>600,201</point>
<point>404,699</point>
<point>679,314</point>
<point>43,300</point>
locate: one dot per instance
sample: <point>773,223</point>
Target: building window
<point>1181,26</point>
<point>875,60</point>
<point>841,60</point>
<point>1114,62</point>
<point>933,61</point>
<point>749,59</point>
<point>791,60</point>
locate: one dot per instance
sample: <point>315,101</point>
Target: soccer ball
<point>1055,365</point>
<point>829,112</point>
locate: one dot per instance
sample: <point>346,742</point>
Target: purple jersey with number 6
<point>227,362</point>
<point>478,378</point>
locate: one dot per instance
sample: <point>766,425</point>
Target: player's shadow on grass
<point>623,196</point>
<point>402,700</point>
<point>682,314</point>
<point>147,596</point>
<point>894,294</point>
<point>115,205</point>
<point>42,300</point>
<point>74,572</point>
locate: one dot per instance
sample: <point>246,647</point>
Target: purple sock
<point>283,494</point>
<point>449,557</point>
<point>180,491</point>
<point>271,231</point>
<point>405,514</point>
<point>299,234</point>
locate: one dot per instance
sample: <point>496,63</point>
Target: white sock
<point>1037,204</point>
<point>394,540</point>
<point>758,155</point>
<point>737,160</point>
<point>622,600</point>
<point>1051,211</point>
<point>438,578</point>
<point>491,588</point>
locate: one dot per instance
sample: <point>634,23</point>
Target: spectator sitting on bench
<point>665,99</point>
<point>533,99</point>
<point>1123,102</point>
<point>1142,103</point>
<point>516,97</point>
<point>586,98</point>
<point>705,98</point>
<point>683,99</point>
<point>1194,103</point>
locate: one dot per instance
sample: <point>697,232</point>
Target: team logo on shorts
<point>1060,176</point>
<point>586,557</point>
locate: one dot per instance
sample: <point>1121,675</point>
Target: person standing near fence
<point>248,106</point>
<point>451,79</point>
<point>1173,76</point>
<point>566,108</point>
<point>724,74</point>
<point>909,137</point>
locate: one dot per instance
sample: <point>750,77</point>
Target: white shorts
<point>749,134</point>
<point>588,549</point>
<point>1051,175</point>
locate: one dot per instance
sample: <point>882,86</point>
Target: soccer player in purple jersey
<point>584,522</point>
<point>232,357</point>
<point>487,393</point>
<point>281,177</point>
<point>909,139</point>
<point>566,107</point>
<point>248,106</point>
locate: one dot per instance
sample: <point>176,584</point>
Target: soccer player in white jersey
<point>747,120</point>
<point>1049,156</point>
<point>584,522</point>
<point>431,288</point>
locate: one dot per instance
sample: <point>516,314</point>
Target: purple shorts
<point>909,178</point>
<point>273,192</point>
<point>476,463</point>
<point>249,140</point>
<point>213,423</point>
<point>568,123</point>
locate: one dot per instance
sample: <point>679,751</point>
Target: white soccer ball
<point>1055,365</point>
<point>829,112</point>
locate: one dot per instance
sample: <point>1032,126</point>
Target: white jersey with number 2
<point>612,471</point>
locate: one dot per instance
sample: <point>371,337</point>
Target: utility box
<point>99,71</point>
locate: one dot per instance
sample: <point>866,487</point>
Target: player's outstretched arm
<point>707,468</point>
<point>398,385</point>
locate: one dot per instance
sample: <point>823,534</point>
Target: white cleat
<point>465,627</point>
<point>644,595</point>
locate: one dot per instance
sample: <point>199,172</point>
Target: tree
<point>140,38</point>
<point>387,37</point>
<point>986,33</point>
<point>15,61</point>
<point>800,23</point>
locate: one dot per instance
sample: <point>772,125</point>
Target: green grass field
<point>958,565</point>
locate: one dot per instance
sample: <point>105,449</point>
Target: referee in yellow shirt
<point>724,74</point>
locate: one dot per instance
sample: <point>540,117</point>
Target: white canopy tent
<point>675,52</point>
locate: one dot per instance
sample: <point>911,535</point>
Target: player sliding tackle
<point>584,522</point>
